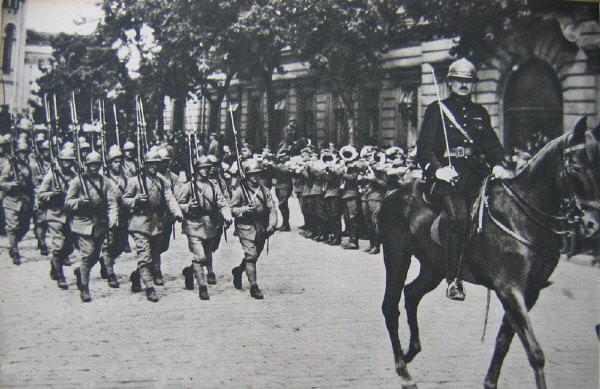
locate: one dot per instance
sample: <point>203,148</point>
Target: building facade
<point>12,51</point>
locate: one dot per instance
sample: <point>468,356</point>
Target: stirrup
<point>456,291</point>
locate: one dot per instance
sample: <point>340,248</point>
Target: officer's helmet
<point>93,157</point>
<point>114,152</point>
<point>462,68</point>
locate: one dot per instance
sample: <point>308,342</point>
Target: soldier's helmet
<point>164,155</point>
<point>152,157</point>
<point>203,162</point>
<point>114,152</point>
<point>67,154</point>
<point>22,147</point>
<point>212,159</point>
<point>128,146</point>
<point>69,145</point>
<point>462,68</point>
<point>4,139</point>
<point>93,157</point>
<point>85,146</point>
<point>45,145</point>
<point>252,166</point>
<point>40,137</point>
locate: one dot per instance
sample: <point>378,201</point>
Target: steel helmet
<point>128,146</point>
<point>152,156</point>
<point>463,68</point>
<point>44,145</point>
<point>67,154</point>
<point>85,145</point>
<point>40,137</point>
<point>252,166</point>
<point>164,154</point>
<point>114,152</point>
<point>93,157</point>
<point>22,147</point>
<point>4,139</point>
<point>203,162</point>
<point>212,159</point>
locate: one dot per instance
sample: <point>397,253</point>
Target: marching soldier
<point>17,184</point>
<point>470,138</point>
<point>352,207</point>
<point>116,241</point>
<point>129,163</point>
<point>90,200</point>
<point>219,183</point>
<point>334,206</point>
<point>39,169</point>
<point>203,206</point>
<point>150,202</point>
<point>255,221</point>
<point>371,203</point>
<point>52,194</point>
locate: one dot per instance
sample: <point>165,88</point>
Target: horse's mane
<point>535,160</point>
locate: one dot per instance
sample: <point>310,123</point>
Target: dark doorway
<point>532,103</point>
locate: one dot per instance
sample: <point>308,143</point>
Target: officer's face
<point>115,164</point>
<point>93,168</point>
<point>461,86</point>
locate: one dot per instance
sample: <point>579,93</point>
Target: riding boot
<point>254,289</point>
<point>199,273</point>
<point>188,276</point>
<point>455,290</point>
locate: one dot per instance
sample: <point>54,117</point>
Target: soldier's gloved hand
<point>502,173</point>
<point>447,174</point>
<point>179,218</point>
<point>271,230</point>
<point>228,222</point>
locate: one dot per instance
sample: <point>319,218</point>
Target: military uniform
<point>283,191</point>
<point>148,222</point>
<point>52,199</point>
<point>172,180</point>
<point>18,203</point>
<point>371,203</point>
<point>39,169</point>
<point>202,224</point>
<point>334,207</point>
<point>352,206</point>
<point>91,218</point>
<point>253,224</point>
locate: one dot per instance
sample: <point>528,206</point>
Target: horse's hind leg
<point>427,280</point>
<point>503,341</point>
<point>396,268</point>
<point>516,310</point>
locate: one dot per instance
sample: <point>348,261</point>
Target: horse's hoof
<point>402,371</point>
<point>489,385</point>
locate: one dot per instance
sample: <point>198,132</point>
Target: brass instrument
<point>348,153</point>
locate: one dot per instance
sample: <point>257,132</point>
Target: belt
<point>459,152</point>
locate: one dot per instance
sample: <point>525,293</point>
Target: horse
<point>513,254</point>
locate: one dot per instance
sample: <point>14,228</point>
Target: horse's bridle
<point>572,206</point>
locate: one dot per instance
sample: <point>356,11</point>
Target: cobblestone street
<point>320,326</point>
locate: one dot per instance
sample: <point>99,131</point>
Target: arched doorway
<point>532,103</point>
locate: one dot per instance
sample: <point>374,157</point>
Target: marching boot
<point>199,273</point>
<point>13,251</point>
<point>57,269</point>
<point>151,295</point>
<point>77,273</point>
<point>237,275</point>
<point>371,246</point>
<point>188,276</point>
<point>136,283</point>
<point>85,294</point>
<point>211,278</point>
<point>376,247</point>
<point>52,270</point>
<point>455,290</point>
<point>103,270</point>
<point>113,282</point>
<point>157,274</point>
<point>353,239</point>
<point>254,289</point>
<point>84,279</point>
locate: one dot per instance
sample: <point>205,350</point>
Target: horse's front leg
<point>427,280</point>
<point>503,341</point>
<point>516,308</point>
<point>396,268</point>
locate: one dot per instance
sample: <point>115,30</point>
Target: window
<point>11,4</point>
<point>306,116</point>
<point>9,40</point>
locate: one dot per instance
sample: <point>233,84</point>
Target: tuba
<point>348,153</point>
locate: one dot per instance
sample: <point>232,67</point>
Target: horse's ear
<point>579,130</point>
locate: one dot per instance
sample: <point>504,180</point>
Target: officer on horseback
<point>456,147</point>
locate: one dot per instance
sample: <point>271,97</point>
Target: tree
<point>344,42</point>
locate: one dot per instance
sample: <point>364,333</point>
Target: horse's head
<point>582,177</point>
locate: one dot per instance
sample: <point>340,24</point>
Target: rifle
<point>75,123</point>
<point>139,141</point>
<point>52,157</point>
<point>193,187</point>
<point>102,119</point>
<point>55,110</point>
<point>116,125</point>
<point>12,158</point>
<point>237,158</point>
<point>142,122</point>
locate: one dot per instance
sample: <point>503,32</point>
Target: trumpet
<point>327,157</point>
<point>348,153</point>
